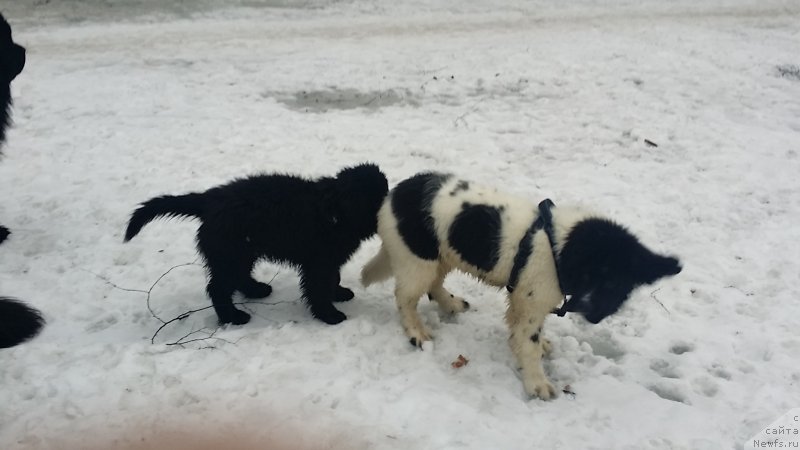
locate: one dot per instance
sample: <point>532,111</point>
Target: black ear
<point>12,56</point>
<point>13,61</point>
<point>658,266</point>
<point>5,31</point>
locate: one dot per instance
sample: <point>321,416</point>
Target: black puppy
<point>18,322</point>
<point>312,225</point>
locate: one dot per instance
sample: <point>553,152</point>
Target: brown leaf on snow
<point>460,362</point>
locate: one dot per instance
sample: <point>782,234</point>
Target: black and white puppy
<point>312,225</point>
<point>433,223</point>
<point>18,321</point>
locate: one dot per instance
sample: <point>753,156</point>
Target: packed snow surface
<point>679,119</point>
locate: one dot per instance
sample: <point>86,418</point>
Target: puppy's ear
<point>12,56</point>
<point>657,266</point>
<point>363,185</point>
<point>5,32</point>
<point>13,61</point>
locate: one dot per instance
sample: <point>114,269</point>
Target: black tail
<point>18,322</point>
<point>190,205</point>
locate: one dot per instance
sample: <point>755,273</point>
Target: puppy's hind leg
<point>413,280</point>
<point>320,285</point>
<point>220,288</point>
<point>249,287</point>
<point>448,303</point>
<point>342,294</point>
<point>225,269</point>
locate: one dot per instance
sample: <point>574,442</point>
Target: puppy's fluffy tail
<point>18,322</point>
<point>377,269</point>
<point>189,205</point>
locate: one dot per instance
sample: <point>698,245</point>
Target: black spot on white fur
<point>411,205</point>
<point>460,186</point>
<point>475,235</point>
<point>600,264</point>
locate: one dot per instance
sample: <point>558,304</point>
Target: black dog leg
<point>342,294</point>
<point>247,285</point>
<point>319,287</point>
<point>220,288</point>
<point>251,288</point>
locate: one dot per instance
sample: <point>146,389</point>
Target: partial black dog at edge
<point>18,322</point>
<point>312,225</point>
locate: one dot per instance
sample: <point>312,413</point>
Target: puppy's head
<point>601,263</point>
<point>12,56</point>
<point>362,189</point>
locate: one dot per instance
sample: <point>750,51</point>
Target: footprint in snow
<point>664,368</point>
<point>680,348</point>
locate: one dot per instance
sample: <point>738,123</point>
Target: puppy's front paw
<point>235,317</point>
<point>330,316</point>
<point>343,294</point>
<point>543,389</point>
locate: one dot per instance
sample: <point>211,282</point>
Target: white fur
<point>537,291</point>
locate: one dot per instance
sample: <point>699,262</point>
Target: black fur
<point>475,235</point>
<point>460,186</point>
<point>411,205</point>
<point>18,322</point>
<point>601,263</point>
<point>524,251</point>
<point>312,225</point>
<point>12,60</point>
<point>544,221</point>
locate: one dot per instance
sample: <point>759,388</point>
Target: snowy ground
<point>120,104</point>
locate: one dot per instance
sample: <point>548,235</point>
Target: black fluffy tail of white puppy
<point>18,322</point>
<point>189,205</point>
